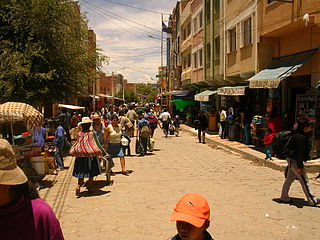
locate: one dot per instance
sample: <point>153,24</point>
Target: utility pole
<point>161,72</point>
<point>94,93</point>
<point>123,88</point>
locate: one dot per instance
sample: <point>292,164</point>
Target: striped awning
<point>279,69</point>
<point>204,96</point>
<point>232,91</point>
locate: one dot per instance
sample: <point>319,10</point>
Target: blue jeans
<point>247,134</point>
<point>59,157</point>
<point>268,152</point>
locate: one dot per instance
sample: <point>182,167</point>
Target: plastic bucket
<point>39,165</point>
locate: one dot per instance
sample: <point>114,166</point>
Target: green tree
<point>149,92</point>
<point>129,96</point>
<point>44,51</point>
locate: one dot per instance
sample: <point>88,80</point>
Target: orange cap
<point>191,208</point>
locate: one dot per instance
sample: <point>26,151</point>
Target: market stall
<point>29,156</point>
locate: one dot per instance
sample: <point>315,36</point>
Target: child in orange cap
<point>192,215</point>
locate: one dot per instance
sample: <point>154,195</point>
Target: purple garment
<point>39,134</point>
<point>29,219</point>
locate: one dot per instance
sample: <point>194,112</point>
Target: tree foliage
<point>129,96</point>
<point>44,52</point>
<point>146,92</point>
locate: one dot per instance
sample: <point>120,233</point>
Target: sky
<point>129,33</point>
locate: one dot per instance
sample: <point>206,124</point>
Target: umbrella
<point>17,111</point>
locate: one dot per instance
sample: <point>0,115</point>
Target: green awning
<point>279,69</point>
<point>204,96</point>
<point>182,103</point>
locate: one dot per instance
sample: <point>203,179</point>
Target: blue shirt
<point>59,136</point>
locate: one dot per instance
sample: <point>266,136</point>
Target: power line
<point>112,20</point>
<point>111,13</point>
<point>142,9</point>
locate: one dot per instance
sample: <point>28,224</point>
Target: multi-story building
<point>186,41</point>
<point>175,67</point>
<point>197,74</point>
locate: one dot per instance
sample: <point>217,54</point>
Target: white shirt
<point>165,116</point>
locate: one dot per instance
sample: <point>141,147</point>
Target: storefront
<point>291,94</point>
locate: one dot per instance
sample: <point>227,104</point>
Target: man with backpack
<point>153,121</point>
<point>143,133</point>
<point>298,149</point>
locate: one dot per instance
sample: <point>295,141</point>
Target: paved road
<point>138,206</point>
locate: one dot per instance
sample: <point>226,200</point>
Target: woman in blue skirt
<point>86,167</point>
<point>113,139</point>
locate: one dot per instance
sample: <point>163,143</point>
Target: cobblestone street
<point>138,206</point>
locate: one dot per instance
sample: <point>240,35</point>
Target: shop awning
<point>232,91</point>
<point>181,104</point>
<point>279,69</point>
<point>72,107</point>
<point>204,96</point>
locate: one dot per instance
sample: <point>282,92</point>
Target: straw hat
<point>10,173</point>
<point>96,116</point>
<point>85,120</point>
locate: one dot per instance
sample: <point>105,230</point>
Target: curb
<point>251,154</point>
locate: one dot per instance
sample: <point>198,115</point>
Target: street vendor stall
<point>29,156</point>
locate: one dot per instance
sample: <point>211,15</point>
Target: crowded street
<point>138,206</point>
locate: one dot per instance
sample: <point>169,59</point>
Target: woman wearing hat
<point>113,139</point>
<point>23,215</point>
<point>86,167</point>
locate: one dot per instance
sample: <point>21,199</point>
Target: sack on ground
<point>145,131</point>
<point>280,144</point>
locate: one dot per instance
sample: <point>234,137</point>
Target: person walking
<point>113,140</point>
<point>192,216</point>
<point>87,151</point>
<point>165,118</point>
<point>127,128</point>
<point>202,126</point>
<point>133,116</point>
<point>143,133</point>
<point>298,153</point>
<point>59,141</point>
<point>176,124</point>
<point>153,122</point>
<point>223,119</point>
<point>267,141</point>
<point>23,214</point>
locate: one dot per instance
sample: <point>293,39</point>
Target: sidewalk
<point>249,153</point>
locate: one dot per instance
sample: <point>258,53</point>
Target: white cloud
<point>131,51</point>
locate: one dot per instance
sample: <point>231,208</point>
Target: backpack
<point>153,121</point>
<point>145,130</point>
<point>280,144</point>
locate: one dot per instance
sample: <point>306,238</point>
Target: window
<point>208,12</point>
<point>189,60</point>
<point>200,58</point>
<point>195,24</point>
<point>232,40</point>
<point>195,60</point>
<point>184,35</point>
<point>217,47</point>
<point>216,6</point>
<point>270,1</point>
<point>247,34</point>
<point>200,19</point>
<point>188,29</point>
<point>208,58</point>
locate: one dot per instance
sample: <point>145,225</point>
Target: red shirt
<point>275,124</point>
<point>268,139</point>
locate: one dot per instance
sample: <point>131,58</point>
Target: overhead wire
<point>118,16</point>
<point>142,9</point>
